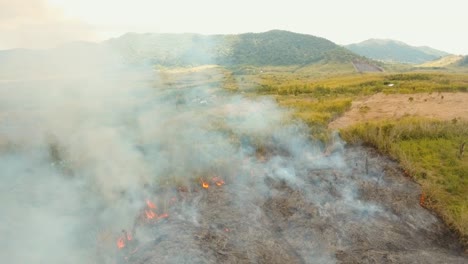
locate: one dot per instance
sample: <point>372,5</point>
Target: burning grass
<point>182,173</point>
<point>262,219</point>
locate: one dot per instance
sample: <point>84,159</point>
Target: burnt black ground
<point>308,222</point>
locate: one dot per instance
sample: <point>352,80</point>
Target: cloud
<point>35,24</point>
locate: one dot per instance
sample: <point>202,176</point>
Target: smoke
<point>80,153</point>
<point>37,24</point>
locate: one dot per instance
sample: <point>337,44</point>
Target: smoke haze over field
<point>79,155</point>
<point>81,151</point>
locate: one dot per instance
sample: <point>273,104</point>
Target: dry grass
<point>429,152</point>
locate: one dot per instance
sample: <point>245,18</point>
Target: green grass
<point>363,84</point>
<point>429,151</point>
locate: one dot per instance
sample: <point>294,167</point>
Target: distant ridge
<point>275,47</point>
<point>463,62</point>
<point>272,48</point>
<point>395,51</point>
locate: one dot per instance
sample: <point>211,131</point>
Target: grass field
<point>429,150</point>
<point>432,153</point>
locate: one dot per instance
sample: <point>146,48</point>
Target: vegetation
<point>319,100</point>
<point>364,84</point>
<point>278,47</point>
<point>430,151</point>
<point>274,47</point>
<point>446,61</point>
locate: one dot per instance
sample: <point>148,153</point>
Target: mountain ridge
<point>389,50</point>
<point>274,47</point>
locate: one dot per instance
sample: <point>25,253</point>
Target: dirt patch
<point>361,66</point>
<point>444,106</point>
<point>363,212</point>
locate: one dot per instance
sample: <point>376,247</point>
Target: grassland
<point>429,150</point>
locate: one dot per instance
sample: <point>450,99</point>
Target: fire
<point>215,181</point>
<point>123,239</point>
<point>205,185</point>
<point>422,199</point>
<point>150,204</point>
<point>218,181</point>
<point>121,242</point>
<point>165,215</point>
<point>150,214</point>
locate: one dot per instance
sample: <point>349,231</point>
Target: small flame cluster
<point>422,199</point>
<point>124,239</point>
<point>150,212</point>
<point>214,181</point>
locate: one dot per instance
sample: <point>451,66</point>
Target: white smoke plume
<point>80,153</point>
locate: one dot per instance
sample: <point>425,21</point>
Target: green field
<point>430,151</point>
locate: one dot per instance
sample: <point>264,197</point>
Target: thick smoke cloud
<point>80,153</point>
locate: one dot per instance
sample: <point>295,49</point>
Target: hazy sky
<point>45,23</point>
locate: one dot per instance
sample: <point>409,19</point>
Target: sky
<point>48,23</point>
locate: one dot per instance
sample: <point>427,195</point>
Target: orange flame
<point>129,236</point>
<point>205,185</point>
<point>150,204</point>
<point>218,181</point>
<point>422,199</point>
<point>121,242</point>
<point>150,214</point>
<point>165,215</point>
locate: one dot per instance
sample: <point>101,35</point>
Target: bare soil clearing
<point>444,106</point>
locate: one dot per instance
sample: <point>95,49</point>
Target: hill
<point>274,47</point>
<point>463,62</point>
<point>395,51</point>
<point>443,62</point>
